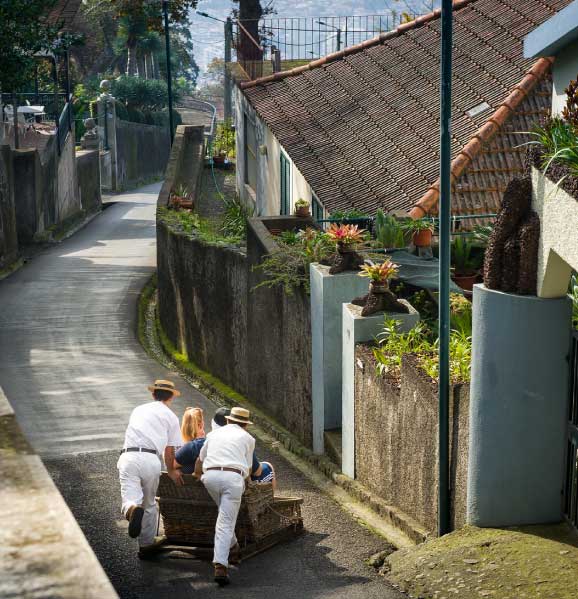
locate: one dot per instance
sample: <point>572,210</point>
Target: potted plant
<point>302,208</point>
<point>380,298</point>
<point>465,272</point>
<point>346,239</point>
<point>421,230</point>
<point>180,197</point>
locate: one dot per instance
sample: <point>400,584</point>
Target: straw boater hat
<point>239,415</point>
<point>164,386</point>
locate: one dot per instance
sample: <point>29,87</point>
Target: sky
<point>208,34</point>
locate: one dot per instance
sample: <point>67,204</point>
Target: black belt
<point>145,449</point>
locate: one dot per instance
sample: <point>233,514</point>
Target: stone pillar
<point>357,329</point>
<point>107,131</point>
<point>519,396</point>
<point>328,294</point>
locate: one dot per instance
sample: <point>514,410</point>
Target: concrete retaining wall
<point>43,552</point>
<point>142,153</point>
<point>88,176</point>
<point>8,235</point>
<point>396,440</point>
<point>258,342</point>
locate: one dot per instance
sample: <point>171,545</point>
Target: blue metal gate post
<point>444,255</point>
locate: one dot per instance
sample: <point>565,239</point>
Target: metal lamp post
<point>444,256</point>
<point>169,76</point>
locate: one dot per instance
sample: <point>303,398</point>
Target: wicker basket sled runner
<point>189,516</point>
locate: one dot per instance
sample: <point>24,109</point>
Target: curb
<point>395,523</point>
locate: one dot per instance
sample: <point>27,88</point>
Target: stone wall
<point>256,341</point>
<point>8,235</point>
<point>88,177</point>
<point>142,153</point>
<point>396,440</point>
<point>43,552</point>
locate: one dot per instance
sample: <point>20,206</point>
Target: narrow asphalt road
<point>73,370</point>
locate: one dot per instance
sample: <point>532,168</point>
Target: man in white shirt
<point>226,458</point>
<point>153,432</point>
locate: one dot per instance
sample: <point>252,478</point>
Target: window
<point>250,152</point>
<point>285,177</point>
<point>316,208</point>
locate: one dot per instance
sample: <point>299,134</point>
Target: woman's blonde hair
<point>193,424</point>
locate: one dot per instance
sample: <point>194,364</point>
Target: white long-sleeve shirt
<point>230,446</point>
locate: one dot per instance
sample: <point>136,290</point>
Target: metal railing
<point>281,39</point>
<point>53,102</point>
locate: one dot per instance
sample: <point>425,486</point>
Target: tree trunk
<point>131,64</point>
<point>146,64</point>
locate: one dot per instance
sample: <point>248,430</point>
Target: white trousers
<point>139,475</point>
<point>226,490</point>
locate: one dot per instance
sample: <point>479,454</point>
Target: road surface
<point>73,370</point>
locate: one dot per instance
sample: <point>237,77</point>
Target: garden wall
<point>396,440</point>
<point>88,176</point>
<point>8,235</point>
<point>258,342</point>
<point>142,152</point>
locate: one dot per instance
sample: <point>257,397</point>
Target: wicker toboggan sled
<point>189,516</point>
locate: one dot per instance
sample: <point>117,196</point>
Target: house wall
<point>396,440</point>
<point>267,197</point>
<point>558,250</point>
<point>565,70</point>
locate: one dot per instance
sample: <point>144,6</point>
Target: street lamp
<point>204,14</point>
<point>169,76</point>
<point>338,29</point>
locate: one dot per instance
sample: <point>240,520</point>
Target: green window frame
<point>285,181</point>
<point>316,208</point>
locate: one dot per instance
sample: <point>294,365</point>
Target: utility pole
<point>169,76</point>
<point>227,75</point>
<point>444,282</point>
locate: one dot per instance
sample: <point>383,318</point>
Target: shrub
<point>388,231</point>
<point>236,216</point>
<point>224,142</point>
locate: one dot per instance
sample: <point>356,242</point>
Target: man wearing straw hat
<point>226,457</point>
<point>153,432</point>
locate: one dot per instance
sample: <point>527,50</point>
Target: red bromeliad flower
<point>345,234</point>
<point>379,273</point>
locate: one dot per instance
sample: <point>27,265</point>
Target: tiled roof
<point>64,12</point>
<point>362,125</point>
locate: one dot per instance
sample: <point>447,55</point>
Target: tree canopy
<point>24,32</point>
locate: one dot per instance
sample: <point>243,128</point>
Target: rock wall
<point>142,153</point>
<point>8,235</point>
<point>396,440</point>
<point>256,341</point>
<point>88,177</point>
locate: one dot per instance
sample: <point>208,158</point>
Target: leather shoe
<point>235,555</point>
<point>134,515</point>
<point>221,576</point>
<point>147,551</point>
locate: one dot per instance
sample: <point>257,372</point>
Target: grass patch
<point>193,226</point>
<point>144,300</point>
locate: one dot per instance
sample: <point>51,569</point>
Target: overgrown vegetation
<point>558,137</point>
<point>389,232</point>
<point>422,341</point>
<point>224,142</point>
<point>206,230</point>
<point>289,265</point>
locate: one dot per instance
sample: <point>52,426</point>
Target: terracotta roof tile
<point>362,125</point>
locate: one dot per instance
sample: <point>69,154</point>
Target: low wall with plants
<point>142,152</point>
<point>257,340</point>
<point>396,438</point>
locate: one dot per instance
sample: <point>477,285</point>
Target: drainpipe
<point>444,282</point>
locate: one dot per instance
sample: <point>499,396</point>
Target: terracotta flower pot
<point>422,238</point>
<point>302,212</point>
<point>219,160</point>
<point>465,281</point>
